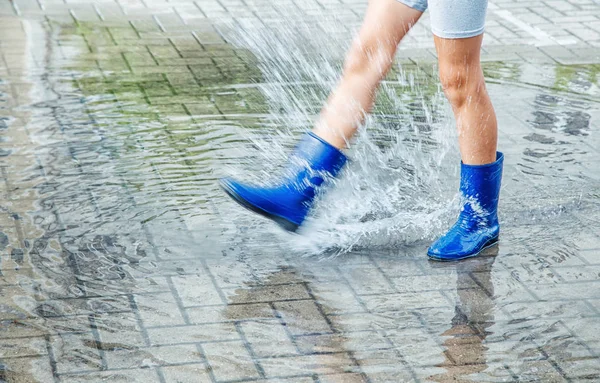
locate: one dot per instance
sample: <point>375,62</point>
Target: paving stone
<point>535,369</point>
<point>334,293</point>
<point>383,365</point>
<point>119,330</point>
<point>230,361</point>
<point>23,347</point>
<point>404,301</point>
<point>226,313</point>
<point>268,338</point>
<point>73,353</point>
<point>196,290</point>
<point>186,373</point>
<point>351,341</point>
<point>374,321</point>
<point>544,309</point>
<point>417,346</point>
<point>268,293</point>
<point>33,369</point>
<point>303,317</point>
<point>136,375</point>
<point>132,357</point>
<point>119,259</point>
<point>192,334</point>
<point>159,309</point>
<point>366,279</point>
<point>307,365</point>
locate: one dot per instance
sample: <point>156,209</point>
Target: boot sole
<point>487,245</point>
<point>282,222</point>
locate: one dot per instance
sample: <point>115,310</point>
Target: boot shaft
<point>313,161</point>
<point>480,190</point>
<point>288,200</point>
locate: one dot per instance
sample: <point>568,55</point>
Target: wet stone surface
<point>121,260</point>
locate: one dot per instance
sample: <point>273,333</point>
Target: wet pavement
<point>121,260</point>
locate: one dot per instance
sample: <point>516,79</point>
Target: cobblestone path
<point>120,260</point>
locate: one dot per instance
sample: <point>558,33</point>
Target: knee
<point>460,82</point>
<point>369,57</point>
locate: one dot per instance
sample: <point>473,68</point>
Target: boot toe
<point>457,245</point>
<point>268,202</point>
<point>236,190</point>
<point>250,197</point>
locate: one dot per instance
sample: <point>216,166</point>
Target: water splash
<point>396,188</point>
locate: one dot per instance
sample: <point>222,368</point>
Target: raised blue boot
<point>477,227</point>
<point>289,200</point>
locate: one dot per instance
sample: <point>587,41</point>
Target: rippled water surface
<point>110,205</point>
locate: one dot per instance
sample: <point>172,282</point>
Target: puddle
<point>120,253</point>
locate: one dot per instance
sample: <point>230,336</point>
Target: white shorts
<point>453,19</point>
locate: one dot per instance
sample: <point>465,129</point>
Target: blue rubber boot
<point>477,227</point>
<point>289,201</point>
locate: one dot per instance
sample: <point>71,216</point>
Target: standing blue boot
<point>477,227</point>
<point>289,201</point>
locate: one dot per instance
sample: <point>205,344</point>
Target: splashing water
<point>396,188</point>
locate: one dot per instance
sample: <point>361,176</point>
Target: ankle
<point>331,137</point>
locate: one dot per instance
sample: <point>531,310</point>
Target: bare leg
<point>368,61</point>
<point>463,83</point>
<point>477,227</point>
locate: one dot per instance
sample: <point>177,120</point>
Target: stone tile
<point>101,305</point>
<point>268,338</point>
<point>568,349</point>
<point>417,347</point>
<point>588,368</point>
<point>383,365</point>
<point>350,341</point>
<point>292,380</point>
<point>274,293</point>
<point>307,365</point>
<point>22,347</point>
<point>581,328</point>
<point>538,331</point>
<point>303,317</point>
<point>366,279</point>
<point>374,321</point>
<point>400,267</point>
<point>342,378</point>
<point>548,309</point>
<point>224,313</point>
<point>159,309</point>
<point>337,297</point>
<point>192,334</point>
<point>582,290</point>
<point>591,256</point>
<point>531,370</point>
<point>132,357</point>
<point>595,304</point>
<point>575,274</point>
<point>405,301</point>
<point>186,373</point>
<point>119,330</point>
<point>32,369</point>
<point>137,375</point>
<point>76,352</point>
<point>414,284</point>
<point>196,290</point>
<point>230,361</point>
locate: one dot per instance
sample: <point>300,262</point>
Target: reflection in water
<point>557,114</point>
<point>277,332</point>
<point>474,314</point>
